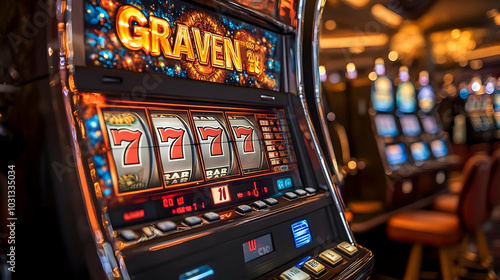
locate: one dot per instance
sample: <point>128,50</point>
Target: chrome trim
<point>249,11</point>
<point>61,71</point>
<point>318,98</point>
<point>268,97</point>
<point>339,204</point>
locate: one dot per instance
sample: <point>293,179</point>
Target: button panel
<point>331,257</point>
<point>243,209</point>
<point>259,204</point>
<point>162,228</point>
<point>211,216</point>
<point>192,221</point>
<point>314,266</point>
<point>290,195</point>
<point>166,226</point>
<point>300,192</point>
<point>294,273</point>
<point>271,201</point>
<point>346,248</point>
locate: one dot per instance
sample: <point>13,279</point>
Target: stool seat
<point>430,228</point>
<point>447,203</point>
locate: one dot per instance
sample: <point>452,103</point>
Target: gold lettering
<point>217,49</point>
<point>202,49</point>
<point>160,33</point>
<point>183,43</point>
<point>140,37</point>
<point>232,55</point>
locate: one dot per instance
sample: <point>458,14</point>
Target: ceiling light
<point>386,16</point>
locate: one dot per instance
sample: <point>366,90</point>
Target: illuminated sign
<point>181,40</point>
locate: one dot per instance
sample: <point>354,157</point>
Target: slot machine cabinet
<point>400,170</point>
<point>480,124</point>
<point>192,154</point>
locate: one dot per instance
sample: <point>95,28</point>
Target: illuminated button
<point>311,190</point>
<point>314,266</point>
<point>192,221</point>
<point>294,273</point>
<point>347,248</point>
<point>243,209</point>
<point>331,257</point>
<point>300,192</point>
<point>290,195</point>
<point>128,234</point>
<point>147,231</point>
<point>271,201</point>
<point>166,226</point>
<point>211,216</point>
<point>259,204</point>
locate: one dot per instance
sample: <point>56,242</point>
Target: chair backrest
<point>473,206</point>
<point>494,184</point>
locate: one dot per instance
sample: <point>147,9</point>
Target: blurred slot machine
<point>195,162</point>
<point>481,127</point>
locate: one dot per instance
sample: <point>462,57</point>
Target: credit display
<point>181,40</point>
<point>258,247</point>
<point>162,160</point>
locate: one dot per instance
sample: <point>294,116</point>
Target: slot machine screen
<point>426,99</point>
<point>396,155</point>
<point>419,151</point>
<point>382,95</point>
<point>430,125</point>
<point>405,97</point>
<point>439,148</point>
<point>161,161</point>
<point>410,125</point>
<point>386,125</point>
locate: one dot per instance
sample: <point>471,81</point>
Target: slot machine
<point>400,169</point>
<point>478,105</point>
<point>190,153</point>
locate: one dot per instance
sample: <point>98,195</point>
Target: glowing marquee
<point>155,40</point>
<point>180,40</point>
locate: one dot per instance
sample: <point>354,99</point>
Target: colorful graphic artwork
<point>180,40</point>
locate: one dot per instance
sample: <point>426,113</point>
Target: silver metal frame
<point>337,199</point>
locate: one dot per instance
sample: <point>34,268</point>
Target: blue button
<point>301,233</point>
<point>199,273</point>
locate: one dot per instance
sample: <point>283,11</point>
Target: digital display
<point>258,247</point>
<point>396,155</point>
<point>410,125</point>
<point>386,125</point>
<point>439,148</point>
<point>157,161</point>
<point>430,125</point>
<point>181,40</point>
<point>301,233</point>
<point>419,151</point>
<point>382,94</point>
<point>405,97</point>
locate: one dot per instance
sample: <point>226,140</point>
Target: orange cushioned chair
<point>444,230</point>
